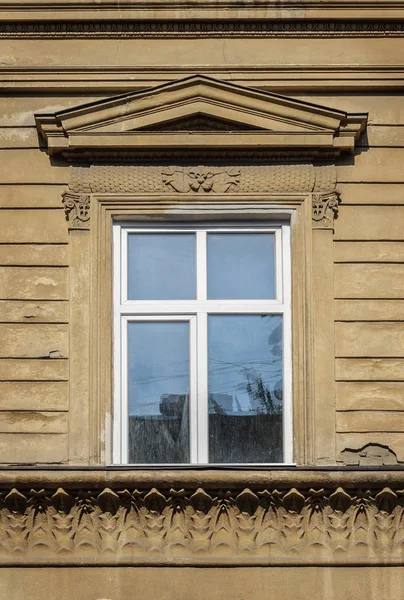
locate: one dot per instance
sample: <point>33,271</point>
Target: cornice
<point>196,29</point>
<point>134,517</point>
<point>199,9</point>
<point>351,478</point>
<point>279,78</point>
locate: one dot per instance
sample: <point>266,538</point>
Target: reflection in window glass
<point>241,265</point>
<point>158,392</point>
<point>245,388</point>
<point>161,266</point>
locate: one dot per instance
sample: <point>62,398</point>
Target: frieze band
<point>253,525</point>
<point>216,28</point>
<point>128,178</point>
<point>190,180</point>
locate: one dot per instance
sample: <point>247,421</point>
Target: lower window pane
<point>158,392</point>
<point>245,388</point>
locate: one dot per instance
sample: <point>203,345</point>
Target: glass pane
<point>241,265</point>
<point>245,388</point>
<point>158,392</point>
<point>161,266</point>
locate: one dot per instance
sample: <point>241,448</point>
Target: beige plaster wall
<point>116,583</point>
<point>34,241</point>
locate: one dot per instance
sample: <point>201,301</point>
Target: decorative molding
<point>325,210</point>
<point>201,179</point>
<point>279,78</point>
<point>268,525</point>
<point>212,29</point>
<point>77,210</point>
<point>132,10</point>
<point>156,179</point>
<point>138,124</point>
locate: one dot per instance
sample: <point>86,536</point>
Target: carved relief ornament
<point>197,180</point>
<point>77,210</point>
<point>141,131</point>
<point>325,210</point>
<point>110,178</point>
<point>249,526</point>
<point>201,179</point>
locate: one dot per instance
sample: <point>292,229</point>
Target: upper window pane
<point>241,265</point>
<point>161,266</point>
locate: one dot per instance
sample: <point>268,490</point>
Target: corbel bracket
<point>77,210</point>
<point>325,210</point>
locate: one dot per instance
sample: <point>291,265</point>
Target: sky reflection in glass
<point>241,265</point>
<point>158,363</point>
<point>161,266</point>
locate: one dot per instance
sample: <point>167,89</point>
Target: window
<point>202,344</point>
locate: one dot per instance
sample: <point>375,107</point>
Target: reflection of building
<point>220,403</point>
<point>172,405</point>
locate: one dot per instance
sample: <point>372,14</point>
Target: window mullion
<point>287,349</point>
<point>193,391</point>
<point>202,364</point>
<point>279,266</point>
<point>124,266</point>
<point>117,346</point>
<point>201,269</point>
<point>124,434</point>
<point>172,307</point>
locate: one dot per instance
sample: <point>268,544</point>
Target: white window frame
<point>196,313</point>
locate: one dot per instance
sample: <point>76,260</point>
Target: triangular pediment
<point>199,122</point>
<point>220,114</point>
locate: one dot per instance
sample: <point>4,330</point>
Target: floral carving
<point>77,210</point>
<point>201,179</point>
<point>325,209</point>
<point>116,178</point>
<point>197,526</point>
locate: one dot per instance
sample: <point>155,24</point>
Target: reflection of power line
<point>223,368</point>
<point>244,361</point>
<point>235,386</point>
<point>241,372</point>
<point>152,380</point>
<point>143,404</point>
<point>149,380</point>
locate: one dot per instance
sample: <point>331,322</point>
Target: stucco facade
<point>289,111</point>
